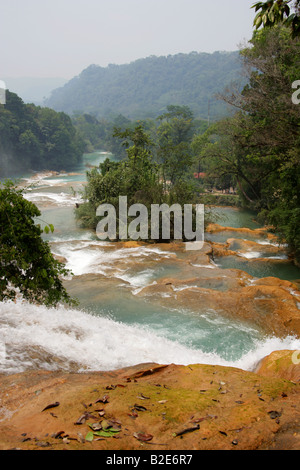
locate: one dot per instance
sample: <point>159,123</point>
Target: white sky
<point>59,38</point>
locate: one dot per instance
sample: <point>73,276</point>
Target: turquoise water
<point>114,326</point>
<point>257,268</point>
<point>232,217</point>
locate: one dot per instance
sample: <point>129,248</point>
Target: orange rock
<point>195,407</point>
<point>281,364</point>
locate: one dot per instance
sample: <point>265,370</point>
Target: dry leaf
<point>103,399</point>
<point>52,405</point>
<point>143,436</point>
<point>139,408</point>
<point>80,438</point>
<point>185,431</point>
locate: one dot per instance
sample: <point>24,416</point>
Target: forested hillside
<point>144,88</point>
<point>35,138</point>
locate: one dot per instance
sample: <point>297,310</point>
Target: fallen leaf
<point>115,423</point>
<point>96,426</point>
<point>198,420</point>
<point>80,438</point>
<point>142,397</point>
<point>82,419</point>
<point>52,405</point>
<point>103,399</point>
<point>143,436</point>
<point>139,408</point>
<point>43,444</point>
<point>107,433</point>
<point>89,437</point>
<point>274,414</point>
<point>58,434</point>
<point>86,415</point>
<point>185,431</point>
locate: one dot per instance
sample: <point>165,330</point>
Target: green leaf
<point>271,17</point>
<point>90,436</point>
<point>109,433</point>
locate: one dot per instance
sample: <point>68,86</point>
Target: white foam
<point>266,242</point>
<point>263,348</point>
<point>61,199</point>
<point>35,337</point>
<point>207,266</point>
<point>87,257</point>
<point>259,255</point>
<point>185,287</point>
<point>250,254</point>
<point>138,280</point>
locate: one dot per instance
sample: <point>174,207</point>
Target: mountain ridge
<point>145,87</point>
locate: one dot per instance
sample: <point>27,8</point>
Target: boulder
<point>281,364</point>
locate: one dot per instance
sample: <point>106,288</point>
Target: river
<point>148,303</point>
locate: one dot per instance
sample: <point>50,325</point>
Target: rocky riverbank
<point>270,304</point>
<point>155,407</point>
<point>166,406</point>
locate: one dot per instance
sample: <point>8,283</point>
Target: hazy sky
<point>59,38</point>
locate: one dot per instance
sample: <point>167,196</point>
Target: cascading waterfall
<point>114,326</point>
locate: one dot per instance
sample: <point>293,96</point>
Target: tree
<point>35,138</point>
<point>174,139</point>
<point>259,145</point>
<point>137,177</point>
<point>274,12</point>
<point>27,265</point>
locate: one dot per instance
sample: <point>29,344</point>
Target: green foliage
<point>138,176</point>
<point>142,89</point>
<point>259,146</point>
<point>35,138</point>
<point>174,136</point>
<point>26,263</point>
<point>274,12</point>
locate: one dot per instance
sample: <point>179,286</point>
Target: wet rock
<point>259,424</point>
<point>60,259</point>
<point>281,364</point>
